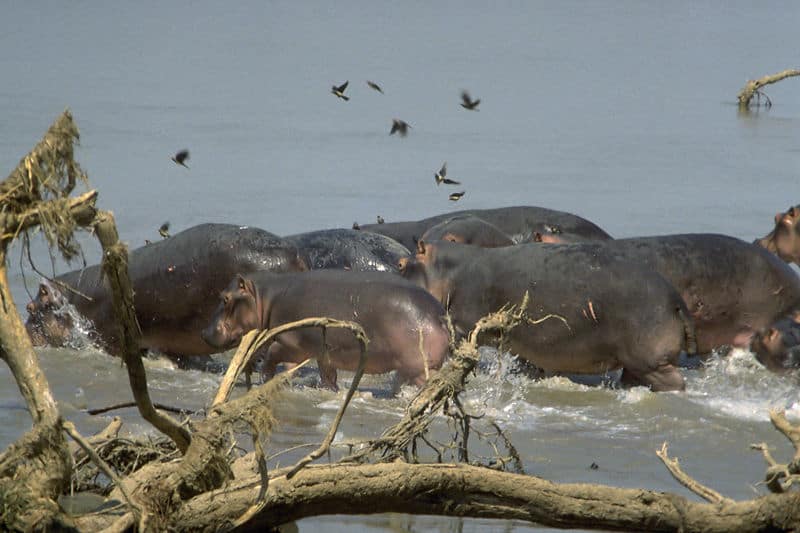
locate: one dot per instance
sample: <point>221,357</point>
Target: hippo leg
<point>327,374</point>
<point>665,377</point>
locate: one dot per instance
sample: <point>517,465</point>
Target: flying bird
<point>440,177</point>
<point>399,126</point>
<point>181,157</point>
<point>339,91</point>
<point>380,220</point>
<point>164,230</point>
<point>456,196</point>
<point>468,103</point>
<point>375,86</point>
<point>356,226</point>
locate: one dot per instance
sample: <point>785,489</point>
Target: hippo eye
<point>42,292</point>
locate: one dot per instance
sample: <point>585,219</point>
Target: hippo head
<point>48,322</point>
<point>427,270</point>
<point>784,240</point>
<point>237,313</point>
<point>778,347</point>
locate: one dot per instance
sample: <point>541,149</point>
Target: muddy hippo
<point>619,314</point>
<point>784,240</point>
<point>348,249</point>
<point>778,347</point>
<point>392,311</point>
<point>468,229</point>
<point>520,223</point>
<point>176,283</point>
<point>732,288</point>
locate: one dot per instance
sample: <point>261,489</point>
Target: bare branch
<point>684,479</point>
<point>753,87</point>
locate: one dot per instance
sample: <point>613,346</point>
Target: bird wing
<point>465,98</point>
<point>451,182</point>
<point>182,156</point>
<point>164,227</point>
<point>443,170</point>
<point>395,127</point>
<point>343,86</point>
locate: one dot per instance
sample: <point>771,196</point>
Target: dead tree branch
<point>115,268</point>
<point>469,491</point>
<point>684,479</point>
<point>753,87</point>
<point>440,388</point>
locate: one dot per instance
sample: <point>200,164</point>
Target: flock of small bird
<point>400,127</point>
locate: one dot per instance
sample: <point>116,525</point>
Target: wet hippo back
<point>520,223</point>
<point>732,288</point>
<point>348,249</point>
<point>176,282</point>
<point>468,229</point>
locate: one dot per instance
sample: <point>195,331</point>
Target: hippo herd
<point>635,305</point>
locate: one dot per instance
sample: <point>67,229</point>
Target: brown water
<point>623,112</point>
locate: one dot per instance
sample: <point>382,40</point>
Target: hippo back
<point>348,249</point>
<point>176,282</point>
<point>521,223</point>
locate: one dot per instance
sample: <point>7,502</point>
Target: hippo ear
<point>244,284</point>
<point>420,247</point>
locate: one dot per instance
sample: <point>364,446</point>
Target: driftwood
<point>753,87</point>
<point>198,491</point>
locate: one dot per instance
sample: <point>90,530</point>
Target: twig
<point>254,340</point>
<point>319,452</point>
<point>684,479</point>
<point>161,406</point>
<point>423,355</point>
<point>69,427</point>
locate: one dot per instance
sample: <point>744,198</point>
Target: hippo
<point>520,223</point>
<point>784,240</point>
<point>778,347</point>
<point>732,288</point>
<point>176,284</point>
<point>393,312</point>
<point>348,249</point>
<point>618,314</point>
<point>468,229</point>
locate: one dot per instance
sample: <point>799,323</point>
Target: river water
<point>623,112</point>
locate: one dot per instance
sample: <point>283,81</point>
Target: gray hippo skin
<point>176,285</point>
<point>784,240</point>
<point>468,229</point>
<point>521,223</point>
<point>778,347</point>
<point>621,315</point>
<point>348,249</point>
<point>392,311</point>
<point>732,288</point>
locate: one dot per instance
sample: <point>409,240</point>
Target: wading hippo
<point>176,283</point>
<point>732,288</point>
<point>620,315</point>
<point>778,347</point>
<point>348,249</point>
<point>520,223</point>
<point>784,240</point>
<point>392,311</point>
<point>468,229</point>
